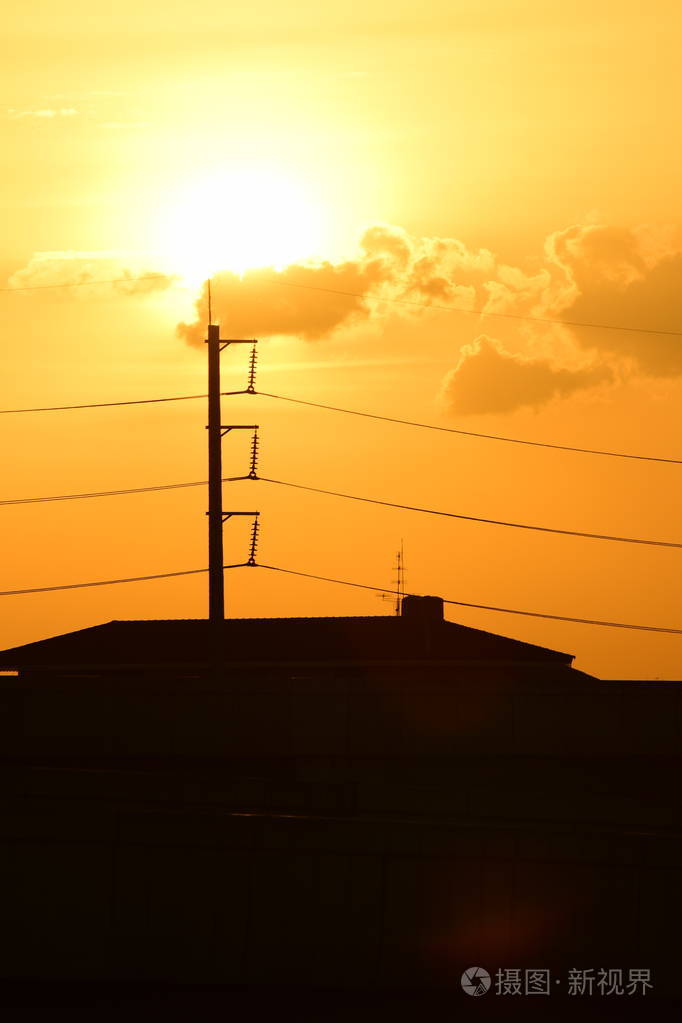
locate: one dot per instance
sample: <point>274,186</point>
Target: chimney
<point>428,610</point>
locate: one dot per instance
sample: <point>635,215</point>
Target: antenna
<point>210,314</point>
<point>398,581</point>
<point>400,578</point>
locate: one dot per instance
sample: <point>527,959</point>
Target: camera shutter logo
<point>475,981</point>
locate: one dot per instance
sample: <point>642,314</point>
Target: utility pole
<point>216,583</point>
<point>216,431</point>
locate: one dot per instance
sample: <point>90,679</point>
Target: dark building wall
<point>339,827</point>
<point>196,894</point>
<point>343,712</point>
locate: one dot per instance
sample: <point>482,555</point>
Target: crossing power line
<point>349,497</point>
<point>383,299</point>
<point>109,582</point>
<point>346,582</point>
<point>357,412</point>
<point>481,312</point>
<point>101,404</point>
<point>471,433</point>
<point>95,283</point>
<point>483,607</point>
<point>103,493</point>
<point>475,518</point>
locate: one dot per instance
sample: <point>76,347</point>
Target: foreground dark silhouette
<point>362,806</point>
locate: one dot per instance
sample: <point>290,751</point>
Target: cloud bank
<point>588,273</point>
<point>489,380</point>
<point>314,300</point>
<point>625,277</point>
<point>591,273</point>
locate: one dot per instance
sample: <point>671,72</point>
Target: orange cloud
<point>488,379</point>
<point>624,278</point>
<point>299,301</point>
<point>592,273</point>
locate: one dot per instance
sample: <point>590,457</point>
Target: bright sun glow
<point>237,220</point>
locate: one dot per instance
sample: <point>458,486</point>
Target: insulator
<point>252,371</point>
<point>254,542</point>
<point>254,455</point>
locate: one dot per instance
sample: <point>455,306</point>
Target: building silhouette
<point>342,803</point>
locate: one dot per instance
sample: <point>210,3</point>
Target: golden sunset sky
<point>515,157</point>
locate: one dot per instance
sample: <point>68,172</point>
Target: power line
<point>358,294</point>
<point>356,412</point>
<point>344,582</point>
<point>84,284</point>
<point>103,404</point>
<point>109,582</point>
<point>334,493</point>
<point>115,404</point>
<point>479,312</point>
<point>474,518</point>
<point>101,493</point>
<point>471,433</point>
<point>484,607</point>
<point>117,493</point>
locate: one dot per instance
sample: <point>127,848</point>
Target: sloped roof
<point>258,640</point>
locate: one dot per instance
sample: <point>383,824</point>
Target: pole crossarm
<point>226,429</point>
<point>235,341</point>
<point>250,514</point>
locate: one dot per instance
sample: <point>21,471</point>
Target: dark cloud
<point>487,379</point>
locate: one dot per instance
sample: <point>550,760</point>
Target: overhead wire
<point>101,493</point>
<point>482,607</point>
<point>109,582</point>
<point>472,433</point>
<point>453,430</point>
<point>474,518</point>
<point>346,582</point>
<point>103,404</point>
<point>117,493</point>
<point>349,497</point>
<point>480,312</point>
<point>84,284</point>
<point>357,412</point>
<point>586,324</point>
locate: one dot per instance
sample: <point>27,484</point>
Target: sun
<point>239,219</point>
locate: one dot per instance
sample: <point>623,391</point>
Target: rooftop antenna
<point>400,578</point>
<point>398,581</point>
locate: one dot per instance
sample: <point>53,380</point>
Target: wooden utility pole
<point>216,583</point>
<point>216,432</point>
